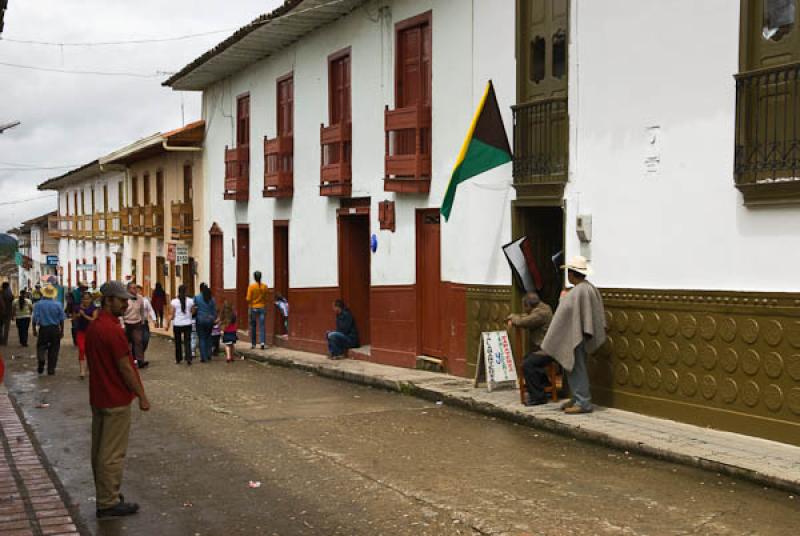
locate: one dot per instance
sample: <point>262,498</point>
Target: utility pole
<point>6,126</point>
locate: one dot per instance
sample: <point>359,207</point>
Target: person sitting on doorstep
<point>346,335</point>
<point>578,329</point>
<point>536,319</point>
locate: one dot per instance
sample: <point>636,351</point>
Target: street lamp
<point>6,126</point>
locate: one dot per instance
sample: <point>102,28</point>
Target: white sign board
<point>496,359</point>
<point>181,254</point>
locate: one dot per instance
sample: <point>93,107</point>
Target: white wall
<point>480,221</point>
<point>648,63</point>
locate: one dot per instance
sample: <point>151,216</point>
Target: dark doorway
<point>160,264</point>
<point>242,272</point>
<point>544,227</point>
<point>429,283</point>
<point>216,264</point>
<point>354,267</point>
<point>281,267</point>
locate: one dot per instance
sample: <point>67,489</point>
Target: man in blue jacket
<point>346,334</point>
<point>48,326</point>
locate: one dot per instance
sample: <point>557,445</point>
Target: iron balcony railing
<point>541,141</point>
<point>768,126</point>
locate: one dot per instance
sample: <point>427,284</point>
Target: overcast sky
<point>71,119</point>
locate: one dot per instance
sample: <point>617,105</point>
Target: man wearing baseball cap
<point>113,384</point>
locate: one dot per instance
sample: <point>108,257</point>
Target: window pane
<point>537,59</point>
<point>779,17</point>
<point>559,54</point>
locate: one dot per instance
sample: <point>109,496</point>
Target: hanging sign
<point>181,254</point>
<point>52,260</point>
<point>171,252</point>
<point>495,362</point>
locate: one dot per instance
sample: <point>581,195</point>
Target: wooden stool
<point>556,379</point>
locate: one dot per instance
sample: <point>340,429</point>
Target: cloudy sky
<point>70,119</point>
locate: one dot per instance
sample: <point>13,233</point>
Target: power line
<point>98,73</point>
<point>114,43</point>
<point>18,201</point>
<point>22,167</point>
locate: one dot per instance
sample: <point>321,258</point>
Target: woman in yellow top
<point>257,303</point>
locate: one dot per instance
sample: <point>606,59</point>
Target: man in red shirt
<point>113,384</point>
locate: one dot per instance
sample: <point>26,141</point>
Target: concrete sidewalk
<point>766,462</point>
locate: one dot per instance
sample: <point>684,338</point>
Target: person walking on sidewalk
<point>180,316</point>
<point>21,313</point>
<point>536,319</point>
<point>227,320</point>
<point>87,313</point>
<point>577,330</point>
<point>257,303</point>
<point>149,314</point>
<point>158,300</point>
<point>48,326</point>
<point>346,335</point>
<point>114,382</point>
<point>206,316</point>
<point>134,317</point>
<point>7,299</point>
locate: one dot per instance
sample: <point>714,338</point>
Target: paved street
<point>335,458</point>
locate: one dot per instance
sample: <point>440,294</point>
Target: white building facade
<point>365,76</point>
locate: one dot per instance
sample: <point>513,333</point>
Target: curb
<point>431,393</point>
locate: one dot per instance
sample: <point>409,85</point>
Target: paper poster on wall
<point>495,361</point>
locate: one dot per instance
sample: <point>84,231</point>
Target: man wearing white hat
<point>578,329</point>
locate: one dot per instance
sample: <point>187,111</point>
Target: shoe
<point>51,372</point>
<point>119,510</point>
<point>142,364</point>
<point>252,346</point>
<point>568,404</point>
<point>263,347</point>
<point>40,369</point>
<point>575,410</point>
<point>189,363</point>
<point>536,402</point>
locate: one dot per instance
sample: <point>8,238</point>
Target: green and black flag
<point>485,147</point>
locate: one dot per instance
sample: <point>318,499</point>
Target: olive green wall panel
<point>487,309</point>
<point>728,360</point>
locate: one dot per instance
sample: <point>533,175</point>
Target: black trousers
<point>22,330</point>
<point>47,346</point>
<point>534,368</point>
<point>183,341</point>
<point>5,325</point>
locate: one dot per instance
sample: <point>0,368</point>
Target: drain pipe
<point>168,147</point>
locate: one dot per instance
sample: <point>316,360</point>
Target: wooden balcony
<point>336,170</point>
<point>278,167</point>
<point>541,148</point>
<point>54,227</point>
<point>88,227</point>
<point>67,224</point>
<point>137,226</point>
<point>237,173</point>
<point>153,220</point>
<point>125,220</point>
<point>113,227</point>
<point>99,225</point>
<point>182,221</point>
<point>767,151</point>
<point>408,149</point>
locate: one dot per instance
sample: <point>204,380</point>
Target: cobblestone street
<point>334,458</point>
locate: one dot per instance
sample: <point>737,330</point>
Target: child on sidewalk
<point>216,335</point>
<point>229,329</point>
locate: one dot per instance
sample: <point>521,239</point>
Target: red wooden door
<point>413,74</point>
<point>285,106</point>
<point>354,270</point>
<point>242,272</point>
<point>281,268</point>
<point>340,90</point>
<point>243,121</point>
<point>429,283</point>
<point>109,277</point>
<point>217,266</point>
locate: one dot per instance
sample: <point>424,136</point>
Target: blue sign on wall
<point>52,260</point>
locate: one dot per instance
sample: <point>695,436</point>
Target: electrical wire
<point>157,74</point>
<point>18,201</point>
<point>26,167</point>
<point>114,43</point>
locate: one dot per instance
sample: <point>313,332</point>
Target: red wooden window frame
<point>341,111</point>
<point>243,120</point>
<point>285,104</point>
<point>386,216</point>
<point>421,20</point>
